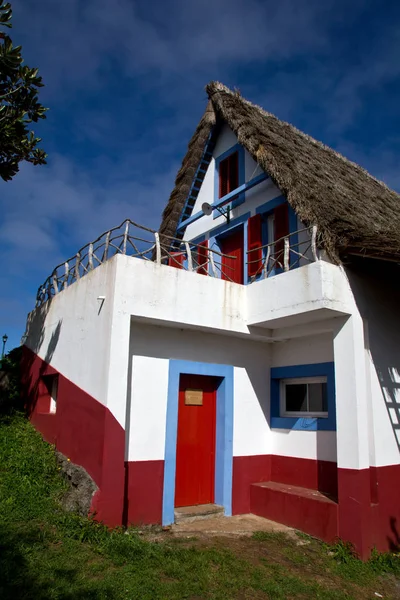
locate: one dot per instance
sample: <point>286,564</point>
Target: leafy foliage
<point>19,105</point>
<point>10,392</point>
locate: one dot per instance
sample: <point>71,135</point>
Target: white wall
<point>255,197</point>
<point>295,295</point>
<point>319,445</point>
<point>90,345</point>
<point>147,406</point>
<point>72,332</point>
<point>303,351</point>
<point>376,288</point>
<point>151,347</point>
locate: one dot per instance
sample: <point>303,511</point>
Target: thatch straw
<point>354,212</point>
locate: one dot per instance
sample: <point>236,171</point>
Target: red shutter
<point>202,258</point>
<point>176,259</point>
<point>254,243</point>
<point>281,229</point>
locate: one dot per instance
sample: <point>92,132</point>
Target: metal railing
<point>283,254</point>
<point>138,241</point>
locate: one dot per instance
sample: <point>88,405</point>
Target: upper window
<point>304,397</point>
<point>228,174</point>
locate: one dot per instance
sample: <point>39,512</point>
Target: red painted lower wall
<point>318,475</point>
<point>144,492</point>
<point>386,510</point>
<point>369,508</point>
<point>296,507</point>
<point>312,474</point>
<point>83,430</point>
<point>247,470</point>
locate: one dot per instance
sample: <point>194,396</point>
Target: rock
<point>81,488</point>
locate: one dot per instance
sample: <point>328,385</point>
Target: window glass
<point>304,397</point>
<point>296,397</point>
<point>317,397</point>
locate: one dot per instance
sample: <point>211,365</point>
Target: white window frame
<point>302,380</point>
<point>54,392</point>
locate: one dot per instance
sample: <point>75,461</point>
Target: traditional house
<point>247,355</point>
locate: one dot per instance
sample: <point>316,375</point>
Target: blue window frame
<point>320,373</point>
<point>241,176</point>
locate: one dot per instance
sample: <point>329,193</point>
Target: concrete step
<point>304,509</point>
<point>195,513</point>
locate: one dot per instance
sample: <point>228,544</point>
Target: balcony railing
<point>132,239</point>
<point>138,241</point>
<point>286,253</point>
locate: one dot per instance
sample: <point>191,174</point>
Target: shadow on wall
<point>394,542</point>
<point>32,342</point>
<point>376,288</point>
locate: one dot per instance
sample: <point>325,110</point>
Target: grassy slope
<point>46,553</point>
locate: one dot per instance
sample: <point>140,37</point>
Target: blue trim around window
<point>241,177</point>
<point>224,433</point>
<point>303,423</point>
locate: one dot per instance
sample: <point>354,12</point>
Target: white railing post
<point>90,256</point>
<point>314,242</point>
<point>125,237</point>
<point>213,269</point>
<point>286,254</point>
<point>266,262</point>
<point>55,284</point>
<point>189,256</point>
<point>107,243</point>
<point>158,248</point>
<point>77,263</point>
<point>66,275</point>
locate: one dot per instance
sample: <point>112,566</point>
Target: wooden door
<point>195,451</point>
<point>232,244</point>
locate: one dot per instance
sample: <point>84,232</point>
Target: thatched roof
<point>354,212</point>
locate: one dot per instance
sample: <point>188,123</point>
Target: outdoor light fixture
<point>5,338</point>
<point>225,212</point>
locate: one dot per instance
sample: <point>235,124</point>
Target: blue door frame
<point>224,433</point>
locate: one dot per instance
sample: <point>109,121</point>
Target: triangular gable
<point>354,212</point>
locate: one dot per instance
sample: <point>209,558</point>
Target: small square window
<point>303,397</point>
<point>228,174</point>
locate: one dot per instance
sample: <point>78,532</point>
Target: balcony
<point>130,239</point>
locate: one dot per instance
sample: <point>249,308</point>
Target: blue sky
<point>125,86</point>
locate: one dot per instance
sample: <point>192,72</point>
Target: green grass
<point>46,553</point>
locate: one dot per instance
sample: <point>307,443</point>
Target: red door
<point>232,244</point>
<point>195,451</point>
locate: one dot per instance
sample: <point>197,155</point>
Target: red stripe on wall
<point>313,474</point>
<point>297,507</point>
<point>83,430</point>
<point>144,492</point>
<point>247,470</point>
<point>355,509</point>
